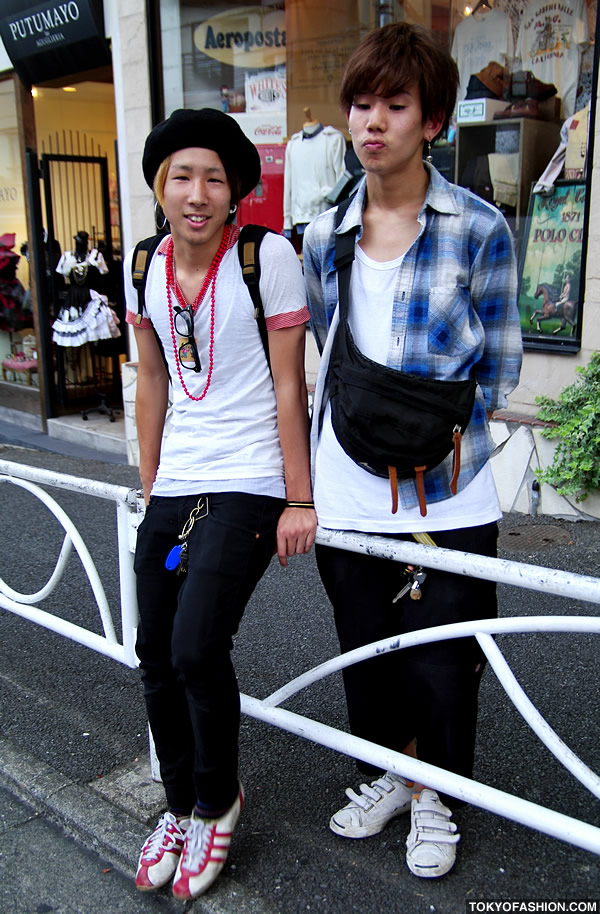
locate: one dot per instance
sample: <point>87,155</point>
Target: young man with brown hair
<point>229,486</point>
<point>432,294</point>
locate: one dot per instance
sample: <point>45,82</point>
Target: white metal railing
<point>127,502</point>
<point>553,581</point>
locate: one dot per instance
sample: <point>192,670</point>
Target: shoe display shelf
<point>536,142</point>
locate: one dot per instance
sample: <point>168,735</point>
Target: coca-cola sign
<point>269,130</point>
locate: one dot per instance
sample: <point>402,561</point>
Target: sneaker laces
<point>161,838</point>
<point>370,795</point>
<point>197,844</point>
<point>432,821</point>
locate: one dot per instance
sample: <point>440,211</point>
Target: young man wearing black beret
<point>228,487</point>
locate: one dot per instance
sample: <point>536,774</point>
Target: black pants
<point>185,631</point>
<point>428,693</point>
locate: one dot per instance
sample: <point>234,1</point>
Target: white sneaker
<point>431,844</point>
<point>369,812</point>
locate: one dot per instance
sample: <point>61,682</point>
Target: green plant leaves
<point>575,469</point>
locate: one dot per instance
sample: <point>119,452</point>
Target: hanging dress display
<point>86,315</point>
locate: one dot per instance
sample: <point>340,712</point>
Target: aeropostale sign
<point>250,36</point>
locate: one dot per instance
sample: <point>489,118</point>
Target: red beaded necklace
<point>211,277</point>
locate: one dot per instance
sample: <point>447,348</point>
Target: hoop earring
<point>157,208</point>
<point>233,209</point>
<point>429,157</point>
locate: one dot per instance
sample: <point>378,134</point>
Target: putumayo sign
<point>36,37</point>
<point>251,36</point>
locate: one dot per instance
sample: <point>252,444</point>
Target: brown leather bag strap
<point>456,438</point>
<point>421,489</point>
<point>394,487</point>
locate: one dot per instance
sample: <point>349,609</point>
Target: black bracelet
<point>300,504</point>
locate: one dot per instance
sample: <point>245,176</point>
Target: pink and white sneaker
<point>160,853</point>
<point>205,851</point>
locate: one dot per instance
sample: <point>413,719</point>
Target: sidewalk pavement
<point>73,849</point>
<point>21,436</point>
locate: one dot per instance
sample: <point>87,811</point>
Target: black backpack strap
<point>344,255</point>
<point>142,255</point>
<point>249,243</point>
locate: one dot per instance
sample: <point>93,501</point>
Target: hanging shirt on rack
<point>551,39</point>
<point>314,163</point>
<point>480,38</point>
<point>569,160</point>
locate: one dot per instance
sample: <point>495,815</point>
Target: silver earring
<point>349,131</point>
<point>233,209</point>
<point>157,208</point>
<point>429,157</point>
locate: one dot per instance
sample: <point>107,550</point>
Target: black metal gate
<point>83,374</point>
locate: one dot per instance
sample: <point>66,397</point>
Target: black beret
<point>207,128</point>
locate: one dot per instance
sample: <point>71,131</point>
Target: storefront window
<point>231,57</point>
<point>521,142</point>
<point>520,129</point>
<point>16,319</point>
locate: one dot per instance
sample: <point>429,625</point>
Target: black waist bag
<point>392,424</point>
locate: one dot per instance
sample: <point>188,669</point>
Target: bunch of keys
<point>177,559</point>
<point>416,578</point>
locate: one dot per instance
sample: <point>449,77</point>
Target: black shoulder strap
<point>344,255</point>
<point>142,255</point>
<point>249,243</point>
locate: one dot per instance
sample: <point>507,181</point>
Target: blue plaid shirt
<point>454,315</point>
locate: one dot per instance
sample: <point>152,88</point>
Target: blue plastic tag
<point>172,560</point>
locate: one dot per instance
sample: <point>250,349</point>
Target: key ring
<point>195,514</point>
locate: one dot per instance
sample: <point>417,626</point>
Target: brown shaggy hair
<point>390,59</point>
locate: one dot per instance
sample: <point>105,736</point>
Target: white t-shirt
<point>313,166</point>
<point>229,439</point>
<point>549,44</point>
<point>346,496</point>
<point>480,38</point>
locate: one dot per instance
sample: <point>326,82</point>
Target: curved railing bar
<point>82,551</point>
<point>532,716</point>
<point>482,629</point>
<point>573,831</point>
<point>57,574</point>
<point>514,625</point>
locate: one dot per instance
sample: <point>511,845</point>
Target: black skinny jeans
<point>185,636</point>
<point>428,693</point>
